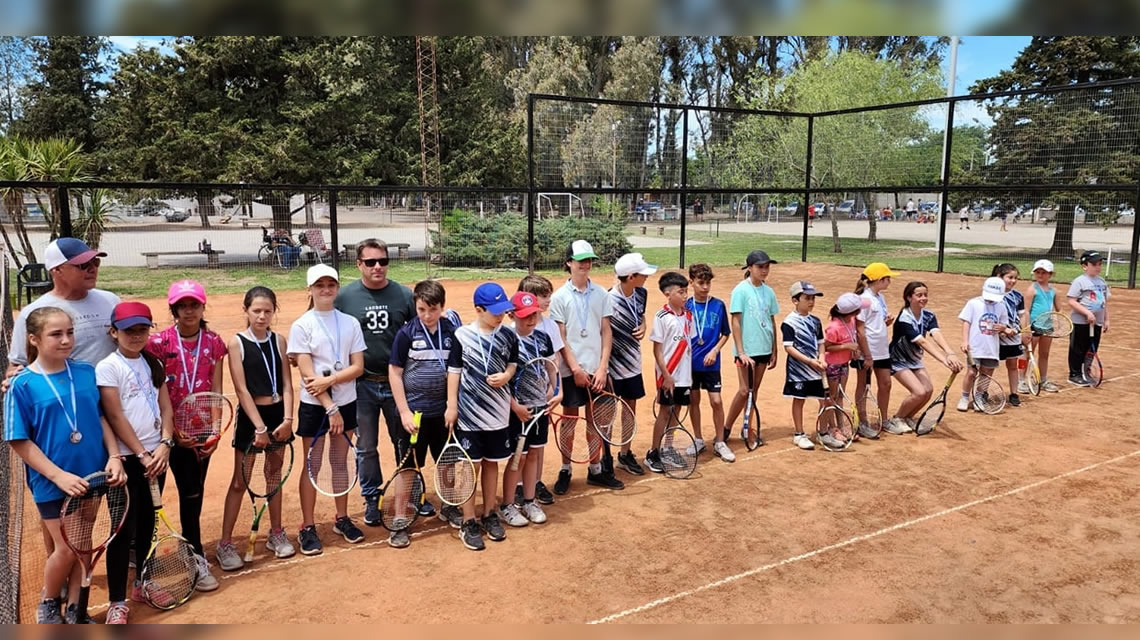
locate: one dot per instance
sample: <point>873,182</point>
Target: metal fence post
<point>65,229</point>
<point>945,184</point>
<point>530,183</point>
<point>1132,258</point>
<point>684,179</point>
<point>807,189</point>
<point>333,235</point>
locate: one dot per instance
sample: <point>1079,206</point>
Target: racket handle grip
<point>155,495</point>
<point>518,453</point>
<point>251,546</point>
<point>416,418</point>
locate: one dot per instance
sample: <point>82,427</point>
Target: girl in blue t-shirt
<point>52,422</point>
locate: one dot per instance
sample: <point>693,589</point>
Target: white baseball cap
<point>1044,265</point>
<point>318,271</point>
<point>993,290</point>
<point>582,250</point>
<point>634,263</point>
<point>850,303</point>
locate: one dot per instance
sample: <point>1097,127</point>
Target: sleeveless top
<point>257,379</point>
<point>1042,301</point>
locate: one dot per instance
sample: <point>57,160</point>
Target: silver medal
<point>276,397</point>
<point>337,365</point>
<point>701,341</point>
<point>583,333</point>
<point>76,437</point>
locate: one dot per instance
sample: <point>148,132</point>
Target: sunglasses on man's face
<point>90,265</point>
<point>372,262</point>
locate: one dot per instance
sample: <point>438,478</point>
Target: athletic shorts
<point>271,416</point>
<point>679,397</point>
<point>706,381</point>
<point>906,366</point>
<point>986,363</point>
<point>1010,351</point>
<point>493,446</point>
<point>51,509</point>
<point>573,396</point>
<point>433,437</point>
<point>764,359</point>
<point>630,388</point>
<point>311,418</point>
<point>804,389</point>
<point>836,371</point>
<point>536,439</point>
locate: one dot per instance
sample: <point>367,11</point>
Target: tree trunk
<point>1062,246</point>
<point>309,223</point>
<point>282,216</point>
<point>836,247</point>
<point>205,200</point>
<point>861,200</point>
<point>48,217</point>
<point>15,206</point>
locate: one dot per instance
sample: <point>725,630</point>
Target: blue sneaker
<point>372,511</point>
<point>427,509</point>
<point>309,540</point>
<point>345,527</point>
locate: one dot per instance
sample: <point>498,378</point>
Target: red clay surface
<point>1028,516</point>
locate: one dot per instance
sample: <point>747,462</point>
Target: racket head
<point>170,573</point>
<point>872,415</point>
<point>571,435</point>
<point>835,422</point>
<point>401,499</point>
<point>678,453</point>
<point>1092,370</point>
<point>331,464</point>
<point>454,474</point>
<point>681,411</point>
<point>90,521</point>
<point>203,417</point>
<point>264,471</point>
<point>988,395</point>
<point>1053,324</point>
<point>931,417</point>
<point>536,382</point>
<point>1033,375</point>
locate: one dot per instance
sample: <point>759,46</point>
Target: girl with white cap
<point>1042,298</point>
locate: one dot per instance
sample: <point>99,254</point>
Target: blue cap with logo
<point>491,297</point>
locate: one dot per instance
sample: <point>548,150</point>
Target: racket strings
<point>454,475</point>
<point>574,438</point>
<point>262,470</point>
<point>678,453</point>
<point>534,387</point>
<point>930,418</point>
<point>170,573</point>
<point>1052,324</point>
<point>603,414</point>
<point>989,396</point>
<point>90,521</point>
<point>334,473</point>
<point>201,416</point>
<point>401,501</point>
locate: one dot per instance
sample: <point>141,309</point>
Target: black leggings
<point>190,477</point>
<point>139,527</point>
<point>1079,346</point>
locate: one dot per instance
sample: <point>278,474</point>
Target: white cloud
<point>130,43</point>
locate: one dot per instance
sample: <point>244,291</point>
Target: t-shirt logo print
<point>986,323</point>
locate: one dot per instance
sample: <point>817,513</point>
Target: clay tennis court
<point>1027,516</point>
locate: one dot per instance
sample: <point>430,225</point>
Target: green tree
<point>1073,137</point>
<point>62,99</point>
<point>15,72</point>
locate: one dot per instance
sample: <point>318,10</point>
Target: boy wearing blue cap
<point>479,367</point>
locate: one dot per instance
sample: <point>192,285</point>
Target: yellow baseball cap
<point>877,270</point>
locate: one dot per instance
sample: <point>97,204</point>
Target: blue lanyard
<point>72,420</point>
<point>189,381</point>
<point>271,370</point>
<point>630,303</point>
<point>882,305</point>
<point>435,350</point>
<point>335,343</point>
<point>145,386</point>
<point>701,317</point>
<point>488,351</point>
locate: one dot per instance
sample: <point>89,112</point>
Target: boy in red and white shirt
<point>672,335</point>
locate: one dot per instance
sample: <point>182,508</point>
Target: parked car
<point>847,208</point>
<point>176,215</point>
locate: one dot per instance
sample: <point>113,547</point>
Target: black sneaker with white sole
<point>562,485</point>
<point>452,515</point>
<point>493,527</point>
<point>653,461</point>
<point>605,479</point>
<point>347,528</point>
<point>427,509</point>
<point>542,495</point>
<point>309,540</point>
<point>472,535</point>
<point>628,462</point>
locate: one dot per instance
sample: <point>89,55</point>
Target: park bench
<point>401,250</point>
<point>152,257</point>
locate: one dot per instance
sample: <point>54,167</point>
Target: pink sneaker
<point>117,613</point>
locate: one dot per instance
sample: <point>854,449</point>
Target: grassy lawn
<point>910,255</point>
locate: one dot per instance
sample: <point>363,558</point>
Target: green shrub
<point>500,240</point>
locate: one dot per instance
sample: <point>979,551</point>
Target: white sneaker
<point>802,441</point>
<point>911,424</point>
<point>697,448</point>
<point>964,403</point>
<point>206,580</point>
<point>1023,387</point>
<point>533,512</point>
<point>721,450</point>
<point>511,515</point>
<point>279,544</point>
<point>1047,385</point>
<point>228,557</point>
<point>895,426</point>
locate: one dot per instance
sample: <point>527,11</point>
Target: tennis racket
<point>1053,324</point>
<point>331,462</point>
<point>870,415</point>
<point>987,393</point>
<point>454,473</point>
<point>264,472</point>
<point>402,497</point>
<point>611,417</point>
<point>170,571</point>
<point>203,417</point>
<point>751,416</point>
<point>536,384</point>
<point>935,411</point>
<point>570,433</point>
<point>1091,368</point>
<point>678,449</point>
<point>89,522</point>
<point>833,427</point>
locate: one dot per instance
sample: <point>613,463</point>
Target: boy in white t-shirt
<point>672,352</point>
<point>984,320</point>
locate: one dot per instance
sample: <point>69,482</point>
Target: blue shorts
<point>707,381</point>
<point>51,509</point>
<point>493,446</point>
<point>630,388</point>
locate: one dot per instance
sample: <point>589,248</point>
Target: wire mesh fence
<point>11,485</point>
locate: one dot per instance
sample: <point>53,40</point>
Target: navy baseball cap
<point>1091,256</point>
<point>760,257</point>
<point>491,297</point>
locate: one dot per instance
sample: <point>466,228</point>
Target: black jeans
<point>138,527</point>
<point>1079,342</point>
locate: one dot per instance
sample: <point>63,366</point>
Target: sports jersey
<point>423,354</point>
<point>380,314</point>
<point>1092,294</point>
<point>804,334</point>
<point>674,332</point>
<point>628,314</point>
<point>189,364</point>
<point>710,320</point>
<point>536,344</point>
<point>905,352</point>
<point>1014,305</point>
<point>550,328</point>
<point>982,316</point>
<point>474,356</point>
<point>756,305</point>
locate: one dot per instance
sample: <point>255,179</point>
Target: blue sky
<point>984,56</point>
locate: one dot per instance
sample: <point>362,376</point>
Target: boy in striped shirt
<point>671,335</point>
<point>803,337</point>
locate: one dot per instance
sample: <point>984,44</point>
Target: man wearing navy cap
<point>74,269</point>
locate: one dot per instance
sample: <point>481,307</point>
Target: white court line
<point>850,541</point>
<point>1123,377</point>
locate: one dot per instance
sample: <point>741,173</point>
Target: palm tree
<point>14,152</point>
<point>57,160</point>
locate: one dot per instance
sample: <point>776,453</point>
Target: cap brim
<point>590,255</point>
<point>648,271</point>
<point>990,297</point>
<point>322,277</point>
<point>501,307</point>
<point>133,321</point>
<point>86,256</point>
<point>526,311</point>
<point>182,297</point>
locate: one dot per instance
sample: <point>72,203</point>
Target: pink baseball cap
<point>186,289</point>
